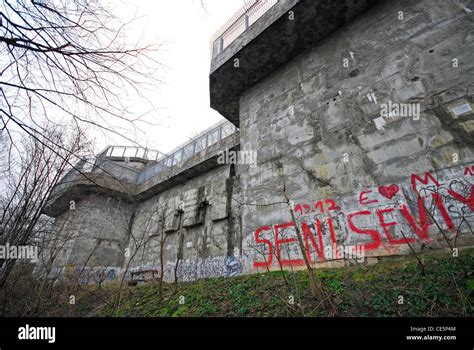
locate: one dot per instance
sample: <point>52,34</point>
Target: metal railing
<point>204,140</point>
<point>239,23</point>
<point>199,143</point>
<point>161,161</point>
<point>130,152</point>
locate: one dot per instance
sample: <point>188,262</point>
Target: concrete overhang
<point>81,185</point>
<point>197,165</point>
<point>274,39</point>
<point>78,186</point>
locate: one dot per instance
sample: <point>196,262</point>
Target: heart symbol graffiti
<point>388,191</point>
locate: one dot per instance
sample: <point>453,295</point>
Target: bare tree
<point>28,185</point>
<point>179,249</point>
<point>68,62</point>
<point>315,284</point>
<point>163,236</point>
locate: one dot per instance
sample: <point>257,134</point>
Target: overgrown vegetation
<point>445,290</point>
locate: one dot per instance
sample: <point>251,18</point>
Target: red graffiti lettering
<point>307,208</point>
<point>420,222</point>
<point>373,233</point>
<point>308,235</point>
<point>428,177</point>
<point>333,235</point>
<point>299,208</point>
<point>363,200</point>
<point>332,205</point>
<point>469,171</point>
<point>304,208</point>
<point>386,225</point>
<point>280,242</point>
<point>469,201</point>
<point>268,243</point>
<point>420,231</point>
<point>319,205</point>
<point>443,211</point>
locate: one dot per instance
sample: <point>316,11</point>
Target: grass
<point>447,289</point>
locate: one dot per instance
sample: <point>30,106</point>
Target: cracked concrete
<point>311,108</point>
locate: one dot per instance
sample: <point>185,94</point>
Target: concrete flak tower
<point>348,121</point>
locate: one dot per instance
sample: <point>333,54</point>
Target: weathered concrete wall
<point>100,236</point>
<point>356,179</point>
<point>315,116</point>
<point>191,218</point>
<point>93,233</point>
<point>107,220</point>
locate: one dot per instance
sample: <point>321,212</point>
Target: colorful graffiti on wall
<point>95,275</point>
<point>86,275</point>
<point>380,220</point>
<point>187,270</point>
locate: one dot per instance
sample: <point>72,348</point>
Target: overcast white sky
<point>183,28</point>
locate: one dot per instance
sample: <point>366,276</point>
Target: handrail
<point>130,152</point>
<point>189,149</point>
<point>248,14</point>
<point>160,160</point>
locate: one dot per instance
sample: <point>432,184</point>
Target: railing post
<point>221,43</point>
<point>255,8</point>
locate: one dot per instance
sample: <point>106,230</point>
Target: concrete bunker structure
<point>316,89</point>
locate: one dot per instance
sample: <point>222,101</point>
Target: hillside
<point>447,289</point>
